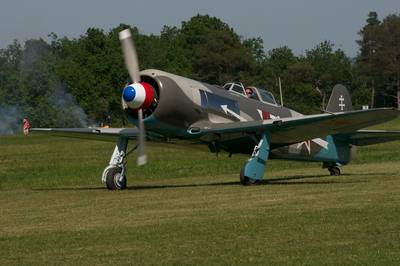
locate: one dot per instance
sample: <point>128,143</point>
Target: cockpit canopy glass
<point>236,87</point>
<point>266,96</point>
<point>227,86</point>
<point>258,93</point>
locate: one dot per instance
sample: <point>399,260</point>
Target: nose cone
<point>138,95</point>
<point>129,94</point>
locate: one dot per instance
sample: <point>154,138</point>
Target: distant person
<point>26,126</point>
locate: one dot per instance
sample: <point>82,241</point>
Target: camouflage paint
<point>186,104</point>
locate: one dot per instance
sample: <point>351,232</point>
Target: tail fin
<point>340,100</point>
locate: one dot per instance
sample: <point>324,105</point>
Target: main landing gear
<point>253,171</point>
<point>114,175</point>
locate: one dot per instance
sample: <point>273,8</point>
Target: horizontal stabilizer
<point>369,137</point>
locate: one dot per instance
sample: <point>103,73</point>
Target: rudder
<point>340,100</point>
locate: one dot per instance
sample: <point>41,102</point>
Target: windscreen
<point>266,96</point>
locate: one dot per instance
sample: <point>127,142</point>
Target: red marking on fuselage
<point>265,115</point>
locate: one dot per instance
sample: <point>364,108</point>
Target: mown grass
<point>186,207</point>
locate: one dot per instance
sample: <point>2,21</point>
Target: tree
<point>279,59</point>
<point>256,47</point>
<point>367,59</point>
<point>379,59</point>
<point>221,58</point>
<point>178,57</point>
<point>389,54</point>
<point>329,68</point>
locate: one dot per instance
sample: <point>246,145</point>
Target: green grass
<point>186,207</point>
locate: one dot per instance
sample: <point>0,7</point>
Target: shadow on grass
<point>276,181</point>
<point>288,180</point>
<point>68,188</point>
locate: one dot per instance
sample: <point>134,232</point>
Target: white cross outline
<point>256,150</point>
<point>341,104</point>
<point>306,143</point>
<point>320,142</point>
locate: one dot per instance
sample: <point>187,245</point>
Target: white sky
<point>298,24</point>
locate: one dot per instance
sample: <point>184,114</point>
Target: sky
<point>299,24</point>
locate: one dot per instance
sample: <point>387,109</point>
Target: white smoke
<point>10,120</point>
<point>59,108</point>
<point>69,112</point>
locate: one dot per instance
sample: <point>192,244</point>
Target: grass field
<point>187,207</point>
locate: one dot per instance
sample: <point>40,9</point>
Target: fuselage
<point>183,105</point>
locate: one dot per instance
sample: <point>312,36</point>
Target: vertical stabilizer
<point>340,100</point>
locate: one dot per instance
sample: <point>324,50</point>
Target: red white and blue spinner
<point>138,95</point>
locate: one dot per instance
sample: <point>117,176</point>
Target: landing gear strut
<point>114,175</point>
<point>253,171</point>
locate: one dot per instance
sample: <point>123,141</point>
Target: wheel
<point>334,171</point>
<point>114,180</point>
<point>245,180</point>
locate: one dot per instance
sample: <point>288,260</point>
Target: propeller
<point>137,94</point>
<point>142,158</point>
<point>130,56</point>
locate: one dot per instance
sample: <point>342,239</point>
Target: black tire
<point>244,180</point>
<point>247,181</point>
<point>113,179</point>
<point>334,171</point>
<point>337,171</point>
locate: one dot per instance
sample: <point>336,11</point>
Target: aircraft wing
<point>97,133</point>
<point>286,131</point>
<point>369,137</point>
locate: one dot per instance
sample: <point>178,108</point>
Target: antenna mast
<point>280,90</point>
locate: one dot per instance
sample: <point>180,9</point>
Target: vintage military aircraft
<point>225,118</point>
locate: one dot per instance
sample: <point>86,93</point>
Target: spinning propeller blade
<point>130,56</point>
<point>132,65</point>
<point>142,158</point>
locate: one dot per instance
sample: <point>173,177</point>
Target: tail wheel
<point>115,180</point>
<point>334,171</point>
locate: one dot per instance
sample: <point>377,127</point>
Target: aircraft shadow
<point>288,180</point>
<point>291,180</point>
<point>68,188</point>
<point>277,181</point>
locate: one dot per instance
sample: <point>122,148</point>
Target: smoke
<point>66,113</point>
<point>10,120</point>
<point>37,94</point>
<point>70,114</point>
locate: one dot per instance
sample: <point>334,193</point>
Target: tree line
<point>75,81</point>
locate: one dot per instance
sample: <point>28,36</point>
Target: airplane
<point>165,107</point>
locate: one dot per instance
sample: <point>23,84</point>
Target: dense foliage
<point>73,82</point>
